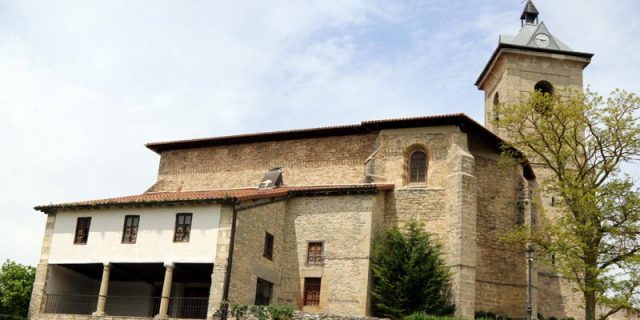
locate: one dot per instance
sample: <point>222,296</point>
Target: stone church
<point>289,217</point>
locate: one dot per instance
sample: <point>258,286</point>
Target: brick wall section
<point>317,161</point>
<point>37,294</point>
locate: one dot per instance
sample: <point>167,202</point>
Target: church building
<point>290,217</point>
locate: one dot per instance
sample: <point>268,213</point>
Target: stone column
<point>166,291</point>
<point>104,290</point>
<point>221,261</point>
<point>38,296</point>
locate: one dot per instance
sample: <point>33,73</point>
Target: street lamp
<point>529,252</point>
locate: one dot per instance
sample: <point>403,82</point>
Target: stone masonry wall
<point>249,264</point>
<point>445,203</point>
<point>390,162</point>
<point>501,275</point>
<point>220,264</point>
<point>316,161</point>
<point>344,224</point>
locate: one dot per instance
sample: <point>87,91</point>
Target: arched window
<point>544,87</point>
<point>496,106</point>
<point>418,167</point>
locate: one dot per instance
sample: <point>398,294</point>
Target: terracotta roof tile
<point>363,128</point>
<point>235,195</point>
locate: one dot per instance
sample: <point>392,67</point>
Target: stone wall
<point>445,204</point>
<point>501,271</point>
<point>298,315</point>
<point>218,276</point>
<point>40,283</point>
<point>390,162</point>
<point>249,263</point>
<point>344,224</point>
<point>315,161</point>
<point>516,72</point>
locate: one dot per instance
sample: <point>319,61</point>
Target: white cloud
<point>83,85</point>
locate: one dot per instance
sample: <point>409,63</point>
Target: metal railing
<point>131,306</point>
<point>188,308</point>
<point>70,304</point>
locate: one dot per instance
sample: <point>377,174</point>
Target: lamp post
<point>529,252</point>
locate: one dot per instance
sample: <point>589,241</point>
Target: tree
<point>409,275</point>
<point>16,283</point>
<point>582,140</point>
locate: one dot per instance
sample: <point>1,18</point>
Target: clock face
<point>542,40</point>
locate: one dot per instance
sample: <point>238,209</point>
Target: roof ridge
<point>238,138</point>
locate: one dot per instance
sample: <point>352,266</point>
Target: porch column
<point>104,290</point>
<point>166,291</point>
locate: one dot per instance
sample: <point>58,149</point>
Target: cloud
<point>83,85</point>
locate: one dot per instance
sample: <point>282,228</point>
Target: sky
<point>85,84</point>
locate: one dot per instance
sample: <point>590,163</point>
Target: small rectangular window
<point>268,246</point>
<point>312,291</point>
<point>264,289</point>
<point>314,253</point>
<point>82,230</point>
<point>183,227</point>
<point>130,229</point>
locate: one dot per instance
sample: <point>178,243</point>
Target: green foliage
<point>583,140</point>
<point>409,274</point>
<point>424,316</point>
<point>278,312</point>
<point>16,284</point>
<point>239,310</point>
<point>259,312</point>
<point>540,317</point>
<point>483,315</point>
<point>270,312</point>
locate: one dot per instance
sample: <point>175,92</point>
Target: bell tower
<point>534,59</point>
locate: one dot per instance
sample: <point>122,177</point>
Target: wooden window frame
<point>186,235</point>
<point>86,226</point>
<point>269,241</point>
<point>135,223</point>
<point>410,167</point>
<point>315,299</point>
<point>321,255</point>
<point>258,281</point>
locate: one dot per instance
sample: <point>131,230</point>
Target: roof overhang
<point>228,196</point>
<point>506,47</point>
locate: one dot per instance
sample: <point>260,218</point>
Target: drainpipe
<point>227,280</point>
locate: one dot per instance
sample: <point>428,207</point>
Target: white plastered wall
<point>154,242</point>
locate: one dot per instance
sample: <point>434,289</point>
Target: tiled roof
<point>363,128</point>
<point>461,120</point>
<point>231,195</point>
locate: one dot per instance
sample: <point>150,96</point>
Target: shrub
<point>409,274</point>
<point>424,316</point>
<point>16,283</point>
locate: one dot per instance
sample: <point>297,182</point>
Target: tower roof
<point>530,10</point>
<point>533,36</point>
